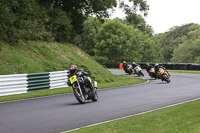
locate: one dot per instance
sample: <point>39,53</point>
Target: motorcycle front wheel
<point>166,79</point>
<point>79,95</point>
<point>94,98</point>
<point>140,73</point>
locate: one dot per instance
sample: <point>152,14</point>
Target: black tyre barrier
<point>169,66</point>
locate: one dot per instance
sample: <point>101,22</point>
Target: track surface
<point>62,112</point>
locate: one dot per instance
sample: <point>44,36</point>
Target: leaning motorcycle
<point>138,71</point>
<point>82,92</point>
<point>128,69</point>
<point>152,73</point>
<point>163,75</point>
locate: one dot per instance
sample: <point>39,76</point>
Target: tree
<point>189,50</point>
<point>138,22</point>
<point>91,27</point>
<point>151,50</point>
<point>116,42</point>
<point>79,10</point>
<point>7,17</point>
<point>132,6</point>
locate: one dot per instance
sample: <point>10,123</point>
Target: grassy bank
<point>183,118</point>
<point>36,57</point>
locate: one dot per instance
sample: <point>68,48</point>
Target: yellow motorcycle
<point>163,75</point>
<point>128,69</point>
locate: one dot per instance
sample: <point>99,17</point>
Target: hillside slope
<point>35,57</point>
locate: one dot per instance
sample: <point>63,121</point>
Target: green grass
<point>36,57</point>
<point>184,118</point>
<point>185,71</point>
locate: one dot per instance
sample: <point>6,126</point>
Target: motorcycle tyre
<point>94,98</point>
<point>166,79</point>
<point>141,73</point>
<point>80,99</point>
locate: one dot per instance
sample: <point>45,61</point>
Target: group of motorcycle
<point>84,89</point>
<point>133,69</point>
<point>160,73</point>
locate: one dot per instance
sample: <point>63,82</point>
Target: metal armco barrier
<point>13,84</point>
<point>170,66</point>
<point>58,79</point>
<point>21,83</point>
<point>38,81</point>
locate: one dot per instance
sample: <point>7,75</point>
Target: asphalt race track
<point>60,113</point>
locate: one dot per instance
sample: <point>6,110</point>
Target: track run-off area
<point>60,113</point>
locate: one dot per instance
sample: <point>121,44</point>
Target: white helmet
<point>156,65</point>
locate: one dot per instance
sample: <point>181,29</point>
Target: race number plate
<point>73,79</point>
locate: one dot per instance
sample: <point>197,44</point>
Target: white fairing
<point>138,69</point>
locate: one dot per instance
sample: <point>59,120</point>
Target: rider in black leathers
<point>73,70</point>
<point>125,66</point>
<point>148,67</point>
<point>157,67</point>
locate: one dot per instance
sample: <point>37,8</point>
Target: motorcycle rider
<point>148,67</point>
<point>87,80</point>
<point>125,65</point>
<point>157,67</point>
<point>134,66</point>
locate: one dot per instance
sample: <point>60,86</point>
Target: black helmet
<point>72,69</point>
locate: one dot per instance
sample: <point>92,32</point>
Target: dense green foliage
<point>70,21</point>
<point>181,44</point>
<point>57,20</point>
<point>109,41</point>
<point>114,41</point>
<point>138,22</point>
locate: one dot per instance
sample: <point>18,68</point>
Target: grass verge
<point>184,71</point>
<point>182,118</point>
<point>122,81</point>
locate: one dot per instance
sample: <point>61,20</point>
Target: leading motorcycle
<point>81,89</point>
<point>163,75</point>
